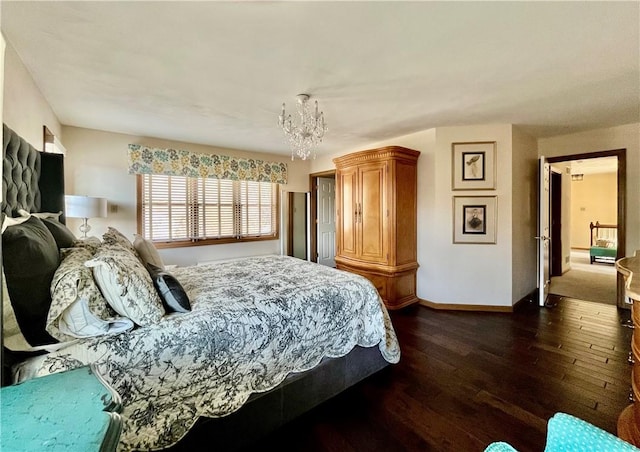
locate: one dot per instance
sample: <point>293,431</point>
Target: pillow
<point>90,243</point>
<point>30,259</point>
<point>147,251</point>
<point>61,233</point>
<point>113,236</point>
<point>12,337</point>
<point>78,309</point>
<point>126,284</point>
<point>41,215</point>
<point>171,292</point>
<point>9,221</point>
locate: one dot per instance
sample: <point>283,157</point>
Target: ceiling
<point>217,72</point>
<point>589,166</point>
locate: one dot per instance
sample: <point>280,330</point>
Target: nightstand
<point>73,410</point>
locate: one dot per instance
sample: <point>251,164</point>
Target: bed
<point>603,245</point>
<point>229,351</point>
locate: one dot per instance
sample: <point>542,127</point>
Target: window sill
<point>188,243</point>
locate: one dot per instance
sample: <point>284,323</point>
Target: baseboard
<point>464,307</point>
<point>530,297</point>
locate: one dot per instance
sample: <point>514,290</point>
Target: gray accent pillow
<point>173,296</point>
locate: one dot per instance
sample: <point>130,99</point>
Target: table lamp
<point>85,207</point>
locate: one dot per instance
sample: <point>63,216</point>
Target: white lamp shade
<point>85,207</point>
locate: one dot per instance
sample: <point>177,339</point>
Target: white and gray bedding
<point>243,327</point>
<point>252,322</point>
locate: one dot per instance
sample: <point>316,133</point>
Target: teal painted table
<point>67,411</point>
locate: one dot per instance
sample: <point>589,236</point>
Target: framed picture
<point>474,166</point>
<point>474,219</point>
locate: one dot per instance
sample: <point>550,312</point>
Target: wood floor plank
<point>466,379</point>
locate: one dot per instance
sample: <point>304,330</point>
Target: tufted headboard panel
<point>31,180</point>
<point>20,174</point>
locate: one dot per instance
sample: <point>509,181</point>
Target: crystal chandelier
<point>308,133</point>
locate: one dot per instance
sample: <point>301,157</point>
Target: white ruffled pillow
<point>78,309</point>
<point>126,284</point>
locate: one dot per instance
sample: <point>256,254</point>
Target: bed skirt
<point>264,413</point>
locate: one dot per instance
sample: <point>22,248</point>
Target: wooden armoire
<point>376,224</point>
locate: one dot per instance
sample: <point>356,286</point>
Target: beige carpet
<point>589,282</point>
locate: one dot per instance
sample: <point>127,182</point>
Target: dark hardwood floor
<point>466,379</point>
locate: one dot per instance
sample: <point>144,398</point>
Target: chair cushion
<point>567,433</point>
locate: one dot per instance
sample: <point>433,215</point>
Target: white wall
<point>620,137</point>
<point>525,213</point>
<point>25,109</point>
<point>486,270</point>
<point>2,51</point>
<point>593,199</point>
<point>465,273</point>
<point>96,165</point>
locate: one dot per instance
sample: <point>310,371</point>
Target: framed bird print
<point>474,219</point>
<point>474,165</point>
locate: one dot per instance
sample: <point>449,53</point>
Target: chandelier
<point>308,133</point>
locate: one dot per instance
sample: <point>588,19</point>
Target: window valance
<point>176,162</point>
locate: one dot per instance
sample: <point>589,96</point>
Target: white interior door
<point>544,201</point>
<point>326,227</point>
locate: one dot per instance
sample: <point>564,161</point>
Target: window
<point>182,211</point>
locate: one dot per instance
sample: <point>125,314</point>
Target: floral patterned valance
<point>176,162</point>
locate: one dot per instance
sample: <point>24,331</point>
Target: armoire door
<point>372,212</point>
<point>346,203</point>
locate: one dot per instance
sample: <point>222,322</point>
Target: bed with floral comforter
<point>253,322</point>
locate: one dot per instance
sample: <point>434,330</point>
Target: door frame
<point>621,155</point>
<point>555,232</point>
<point>313,230</point>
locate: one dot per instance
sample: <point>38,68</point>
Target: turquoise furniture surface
<point>66,411</point>
<point>567,433</point>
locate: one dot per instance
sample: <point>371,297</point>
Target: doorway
<point>322,231</point>
<point>297,225</point>
<point>572,273</point>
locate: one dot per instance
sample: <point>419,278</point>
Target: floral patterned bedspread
<point>253,322</point>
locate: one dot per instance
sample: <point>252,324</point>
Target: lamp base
<point>84,228</point>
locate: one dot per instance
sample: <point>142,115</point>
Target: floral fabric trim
<point>176,162</point>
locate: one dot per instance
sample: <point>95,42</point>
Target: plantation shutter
<point>177,208</point>
<point>257,208</point>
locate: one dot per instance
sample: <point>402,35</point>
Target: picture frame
<point>474,219</point>
<point>473,165</point>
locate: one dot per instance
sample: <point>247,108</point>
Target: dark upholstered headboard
<point>31,180</point>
